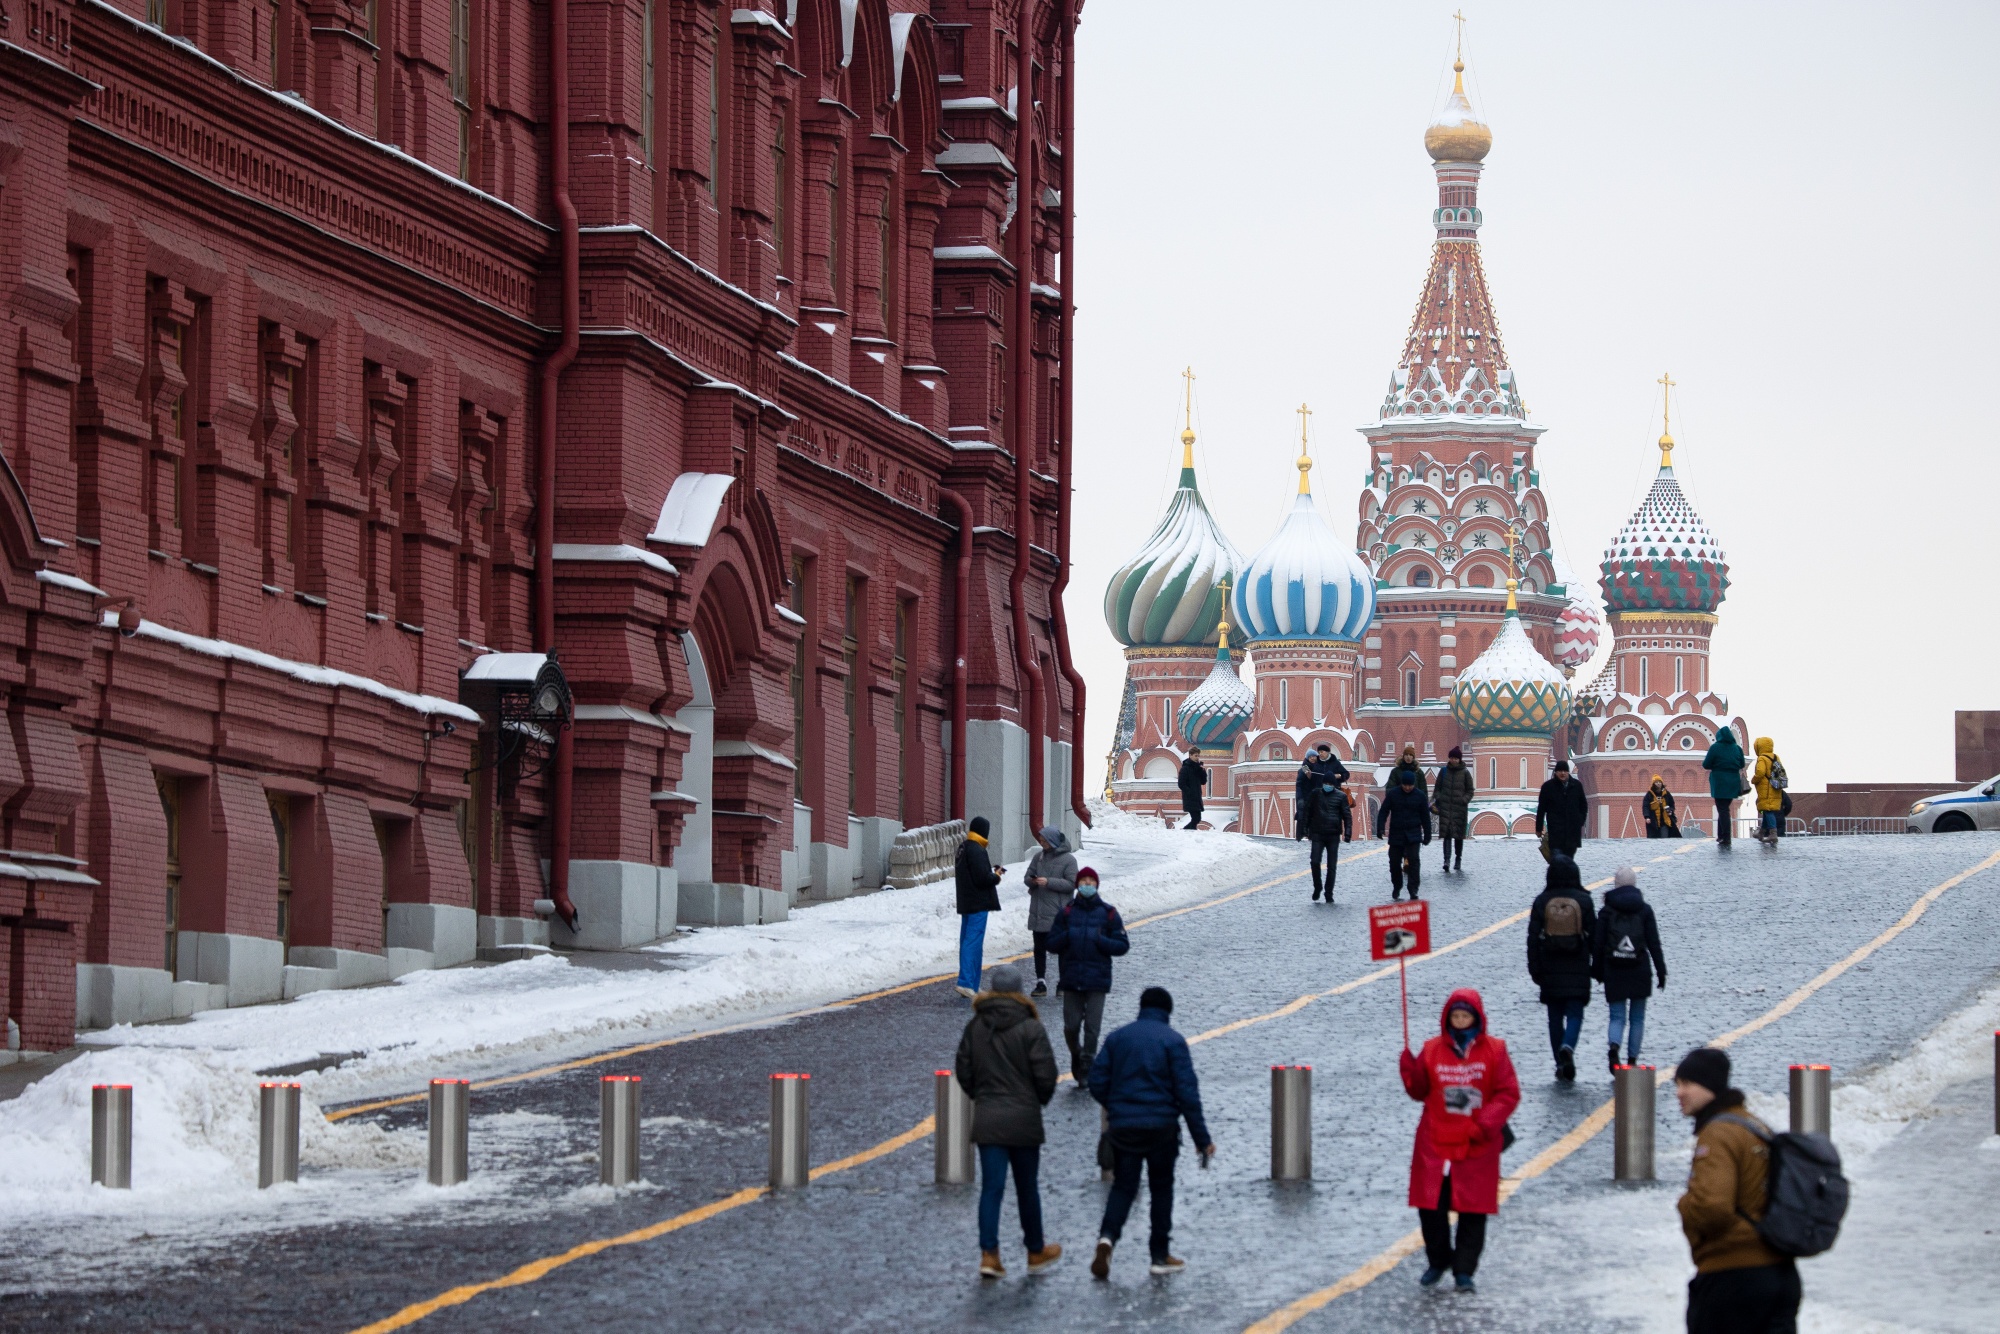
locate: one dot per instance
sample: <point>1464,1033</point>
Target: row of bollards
<point>1634,1090</point>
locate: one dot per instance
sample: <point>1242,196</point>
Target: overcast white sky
<point>1791,208</point>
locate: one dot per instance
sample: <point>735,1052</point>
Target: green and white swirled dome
<point>1511,689</point>
<point>1172,592</point>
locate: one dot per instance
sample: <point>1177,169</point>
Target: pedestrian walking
<point>1051,879</point>
<point>1319,764</point>
<point>1451,801</point>
<point>1770,780</point>
<point>1741,1285</point>
<point>1562,929</point>
<point>1466,1082</point>
<point>1006,1066</point>
<point>1407,762</point>
<point>1724,762</point>
<point>1627,940</point>
<point>1561,812</point>
<point>1328,820</point>
<point>978,894</point>
<point>1144,1079</point>
<point>1086,936</point>
<point>1194,777</point>
<point>1405,819</point>
<point>1662,820</point>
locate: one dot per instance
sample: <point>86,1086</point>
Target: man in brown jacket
<point>1741,1285</point>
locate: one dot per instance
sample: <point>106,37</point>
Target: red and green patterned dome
<point>1664,558</point>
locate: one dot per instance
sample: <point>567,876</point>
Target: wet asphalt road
<point>879,1246</point>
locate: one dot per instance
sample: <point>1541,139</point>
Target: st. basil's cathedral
<point>1360,645</point>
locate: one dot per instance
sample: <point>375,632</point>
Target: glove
<point>1427,840</point>
<point>1663,981</point>
<point>1478,1136</point>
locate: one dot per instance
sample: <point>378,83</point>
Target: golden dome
<point>1457,135</point>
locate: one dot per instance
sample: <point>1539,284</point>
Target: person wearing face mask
<point>1319,765</point>
<point>1327,820</point>
<point>1466,1082</point>
<point>1087,935</point>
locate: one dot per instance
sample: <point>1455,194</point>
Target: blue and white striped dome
<point>1305,584</point>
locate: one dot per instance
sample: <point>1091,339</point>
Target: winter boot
<point>990,1266</point>
<point>1465,1283</point>
<point>1614,1058</point>
<point>1168,1264</point>
<point>1315,893</point>
<point>1565,1064</point>
<point>1100,1264</point>
<point>1041,986</point>
<point>1431,1277</point>
<point>1042,1259</point>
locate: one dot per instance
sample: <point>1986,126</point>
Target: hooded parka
<point>1452,796</point>
<point>1769,798</point>
<point>1562,966</point>
<point>1007,1067</point>
<point>1467,1098</point>
<point>1058,864</point>
<point>1724,762</point>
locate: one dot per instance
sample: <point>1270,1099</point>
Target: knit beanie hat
<point>1156,998</point>
<point>1004,978</point>
<point>1626,878</point>
<point>1706,1066</point>
<point>981,826</point>
<point>1454,754</point>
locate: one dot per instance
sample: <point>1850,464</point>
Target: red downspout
<point>545,462</point>
<point>1066,417</point>
<point>1021,426</point>
<point>961,644</point>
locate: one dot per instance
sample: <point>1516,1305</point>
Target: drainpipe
<point>961,644</point>
<point>1020,417</point>
<point>1065,415</point>
<point>545,462</point>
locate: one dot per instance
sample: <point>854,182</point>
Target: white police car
<point>1958,812</point>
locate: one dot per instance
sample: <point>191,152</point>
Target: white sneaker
<point>967,992</point>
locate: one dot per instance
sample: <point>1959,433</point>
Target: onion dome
<point>1457,135</point>
<point>1664,558</point>
<point>1175,590</point>
<point>1306,583</point>
<point>1576,634</point>
<point>1220,707</point>
<point>1511,689</point>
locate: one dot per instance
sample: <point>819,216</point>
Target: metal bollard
<point>1634,1097</point>
<point>1291,1123</point>
<point>111,1136</point>
<point>277,1133</point>
<point>1812,1100</point>
<point>791,1137</point>
<point>618,1130</point>
<point>451,1108</point>
<point>954,1132</point>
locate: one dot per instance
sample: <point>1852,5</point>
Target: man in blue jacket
<point>1144,1078</point>
<point>1088,934</point>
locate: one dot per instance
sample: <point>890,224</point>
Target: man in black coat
<point>1561,811</point>
<point>1562,931</point>
<point>1319,765</point>
<point>1324,816</point>
<point>978,894</point>
<point>1194,777</point>
<point>1406,817</point>
<point>1008,1068</point>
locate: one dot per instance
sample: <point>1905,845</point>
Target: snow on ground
<point>194,1083</point>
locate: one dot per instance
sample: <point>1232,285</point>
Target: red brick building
<point>719,351</point>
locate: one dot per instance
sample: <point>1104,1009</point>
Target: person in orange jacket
<point>1466,1082</point>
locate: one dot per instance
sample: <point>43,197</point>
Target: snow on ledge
<point>310,673</point>
<point>688,514</point>
<point>580,551</point>
<point>61,580</point>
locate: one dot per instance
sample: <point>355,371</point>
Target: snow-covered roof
<point>1215,711</point>
<point>688,514</point>
<point>1664,558</point>
<point>1511,688</point>
<point>1171,592</point>
<point>1305,583</point>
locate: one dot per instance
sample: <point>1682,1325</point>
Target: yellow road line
<point>584,1062</point>
<point>1589,1128</point>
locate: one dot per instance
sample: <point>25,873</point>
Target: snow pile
<point>1871,1112</point>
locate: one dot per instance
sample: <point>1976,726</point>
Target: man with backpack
<point>1326,818</point>
<point>1770,780</point>
<point>1754,1201</point>
<point>1628,938</point>
<point>1562,926</point>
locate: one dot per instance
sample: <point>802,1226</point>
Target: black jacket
<point>1561,810</point>
<point>1088,934</point>
<point>1326,815</point>
<point>1406,815</point>
<point>1194,777</point>
<point>1311,774</point>
<point>1562,966</point>
<point>1007,1067</point>
<point>978,882</point>
<point>1626,937</point>
<point>1662,820</point>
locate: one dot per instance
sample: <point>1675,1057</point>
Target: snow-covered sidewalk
<point>194,1113</point>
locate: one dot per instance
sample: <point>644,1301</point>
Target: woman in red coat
<point>1466,1083</point>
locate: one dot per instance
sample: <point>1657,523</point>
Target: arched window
<point>1284,701</point>
<point>1679,675</point>
<point>1420,578</point>
<point>782,198</point>
<point>1645,676</point>
<point>1410,689</point>
<point>1481,577</point>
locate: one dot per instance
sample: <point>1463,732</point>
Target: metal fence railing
<point>1856,824</point>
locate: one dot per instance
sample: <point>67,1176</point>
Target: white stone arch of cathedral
<point>694,858</point>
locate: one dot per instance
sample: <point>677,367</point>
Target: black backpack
<point>1806,1195</point>
<point>1624,939</point>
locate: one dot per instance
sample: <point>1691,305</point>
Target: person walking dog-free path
<point>1051,879</point>
<point>1144,1079</point>
<point>1740,1285</point>
<point>1562,928</point>
<point>1317,767</point>
<point>1326,818</point>
<point>1087,935</point>
<point>1006,1066</point>
<point>1451,799</point>
<point>1193,778</point>
<point>1724,762</point>
<point>1627,941</point>
<point>1405,818</point>
<point>978,894</point>
<point>1769,780</point>
<point>1466,1082</point>
<point>1561,811</point>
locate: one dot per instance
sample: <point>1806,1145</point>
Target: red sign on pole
<point>1399,930</point>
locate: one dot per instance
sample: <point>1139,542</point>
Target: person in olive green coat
<point>1451,801</point>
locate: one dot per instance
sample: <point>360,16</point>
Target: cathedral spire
<point>1187,432</point>
<point>1666,383</point>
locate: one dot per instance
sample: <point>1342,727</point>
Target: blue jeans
<point>971,948</point>
<point>994,1160</point>
<point>1771,822</point>
<point>1618,1030</point>
<point>1566,1022</point>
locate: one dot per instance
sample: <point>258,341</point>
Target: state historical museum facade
<point>372,356</point>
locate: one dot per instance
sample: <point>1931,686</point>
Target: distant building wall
<point>1976,738</point>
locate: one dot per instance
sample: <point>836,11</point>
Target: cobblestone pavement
<point>878,1246</point>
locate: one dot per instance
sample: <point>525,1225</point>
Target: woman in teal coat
<point>1724,763</point>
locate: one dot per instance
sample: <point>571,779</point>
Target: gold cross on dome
<point>1188,375</point>
<point>1459,19</point>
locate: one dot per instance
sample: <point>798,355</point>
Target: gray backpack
<point>1806,1195</point>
